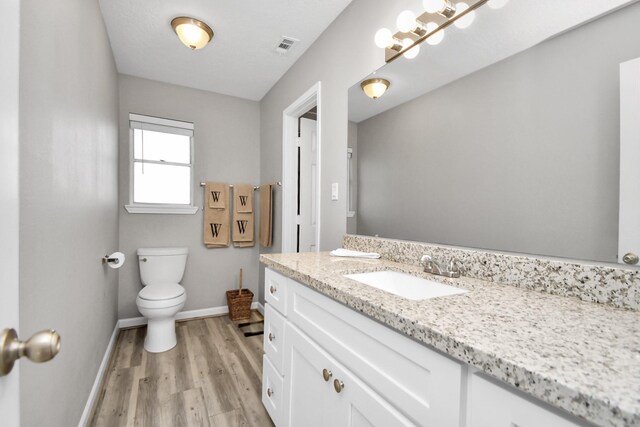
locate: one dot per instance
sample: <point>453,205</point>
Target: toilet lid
<point>161,291</point>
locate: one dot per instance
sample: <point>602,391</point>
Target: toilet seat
<point>161,296</point>
<point>161,292</point>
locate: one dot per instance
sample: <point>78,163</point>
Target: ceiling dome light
<point>375,88</point>
<point>466,20</point>
<point>435,38</point>
<point>497,4</point>
<point>193,33</point>
<point>411,53</point>
<point>406,21</point>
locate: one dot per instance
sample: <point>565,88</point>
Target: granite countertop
<point>579,356</point>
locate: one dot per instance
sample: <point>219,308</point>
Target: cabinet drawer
<point>272,389</point>
<point>493,405</point>
<point>275,290</point>
<point>422,383</point>
<point>274,332</point>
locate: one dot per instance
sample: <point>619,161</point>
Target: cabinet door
<point>308,395</point>
<point>360,406</point>
<point>314,401</point>
<point>493,405</point>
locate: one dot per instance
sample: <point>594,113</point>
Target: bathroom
<point>73,71</point>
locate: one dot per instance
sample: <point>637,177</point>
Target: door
<point>629,224</point>
<point>9,202</point>
<point>308,186</point>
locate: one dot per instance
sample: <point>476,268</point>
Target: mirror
<point>505,136</point>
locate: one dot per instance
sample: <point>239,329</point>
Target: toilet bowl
<point>162,297</point>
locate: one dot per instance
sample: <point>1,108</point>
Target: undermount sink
<point>405,285</point>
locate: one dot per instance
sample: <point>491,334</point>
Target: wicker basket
<point>239,302</point>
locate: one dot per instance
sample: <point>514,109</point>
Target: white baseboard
<point>186,315</point>
<point>99,377</point>
<point>139,321</point>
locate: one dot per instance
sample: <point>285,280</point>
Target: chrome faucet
<point>431,266</point>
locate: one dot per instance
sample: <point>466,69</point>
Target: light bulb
<point>433,6</point>
<point>466,20</point>
<point>497,4</point>
<point>435,38</point>
<point>413,52</point>
<point>406,21</point>
<point>384,38</point>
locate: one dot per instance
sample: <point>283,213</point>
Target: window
<point>161,166</point>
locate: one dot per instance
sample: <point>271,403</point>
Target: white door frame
<point>9,197</point>
<point>290,117</point>
<point>629,214</point>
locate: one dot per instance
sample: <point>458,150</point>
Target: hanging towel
<point>354,254</point>
<point>243,198</point>
<point>266,215</point>
<point>243,222</point>
<point>217,194</point>
<point>216,220</point>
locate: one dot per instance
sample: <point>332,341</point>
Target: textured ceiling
<point>240,61</point>
<point>494,35</point>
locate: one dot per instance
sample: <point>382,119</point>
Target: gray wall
<point>340,57</point>
<point>352,142</point>
<point>68,199</point>
<point>227,149</point>
<point>521,156</point>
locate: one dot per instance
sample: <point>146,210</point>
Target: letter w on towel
<point>243,219</point>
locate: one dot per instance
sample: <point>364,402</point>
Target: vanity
<point>340,352</point>
<point>517,135</point>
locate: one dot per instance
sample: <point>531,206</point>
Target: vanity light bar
<point>443,19</point>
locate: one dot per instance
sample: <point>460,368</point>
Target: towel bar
<point>256,188</point>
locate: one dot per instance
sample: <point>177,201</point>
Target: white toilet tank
<point>162,265</point>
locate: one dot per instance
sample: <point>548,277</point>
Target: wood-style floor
<point>211,378</point>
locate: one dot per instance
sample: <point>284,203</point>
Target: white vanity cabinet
<point>340,368</point>
<point>325,364</point>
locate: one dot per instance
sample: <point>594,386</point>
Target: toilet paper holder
<point>115,260</point>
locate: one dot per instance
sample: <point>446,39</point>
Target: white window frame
<point>162,125</point>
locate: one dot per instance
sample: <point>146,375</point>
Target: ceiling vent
<point>286,44</point>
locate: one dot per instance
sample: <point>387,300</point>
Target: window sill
<point>160,209</point>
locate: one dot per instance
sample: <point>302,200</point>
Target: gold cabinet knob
<point>269,392</point>
<point>630,258</point>
<point>326,374</point>
<point>338,385</point>
<point>41,347</point>
<point>271,337</point>
<point>273,290</point>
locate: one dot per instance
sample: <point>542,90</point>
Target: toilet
<point>162,297</point>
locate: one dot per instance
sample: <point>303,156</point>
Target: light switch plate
<point>334,191</point>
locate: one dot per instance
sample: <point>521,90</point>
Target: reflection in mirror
<point>506,136</point>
